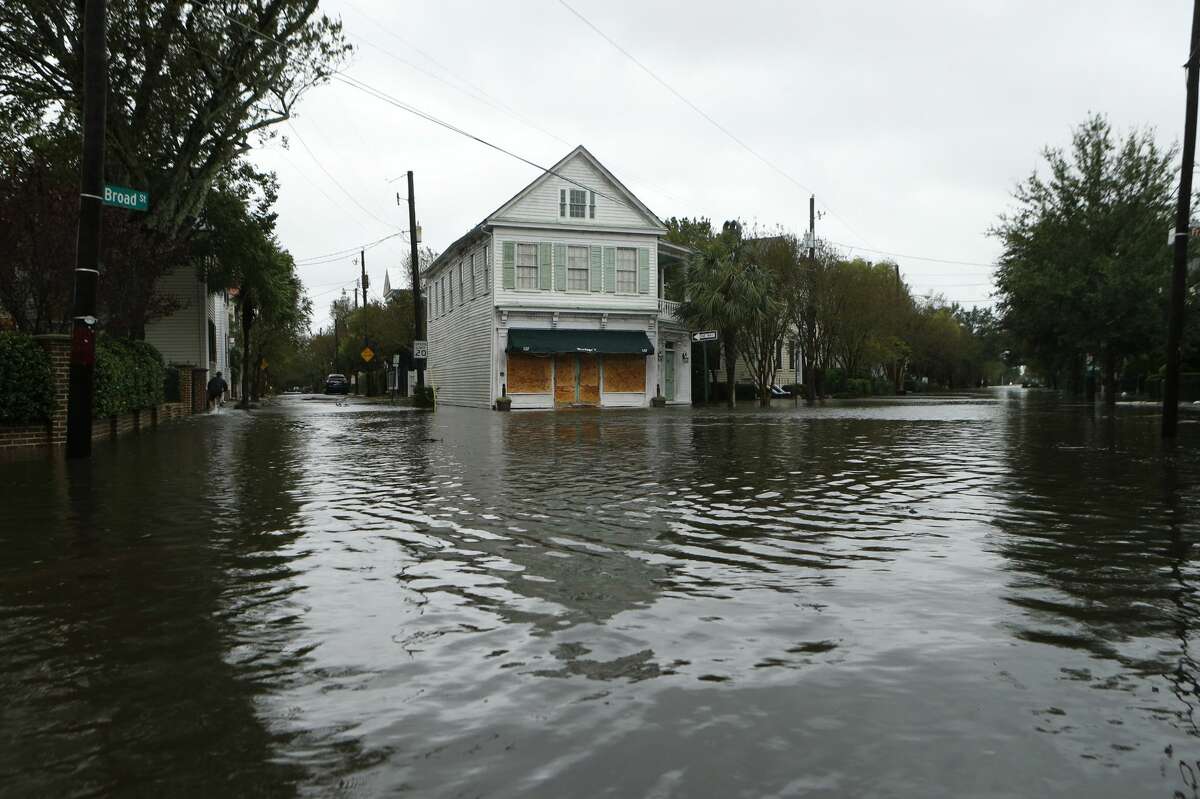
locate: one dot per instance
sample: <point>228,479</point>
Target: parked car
<point>337,384</point>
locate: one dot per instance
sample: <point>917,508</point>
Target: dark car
<point>337,384</point>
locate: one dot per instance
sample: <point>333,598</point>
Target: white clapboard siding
<point>541,203</point>
<point>592,300</point>
<point>460,337</point>
<point>181,337</point>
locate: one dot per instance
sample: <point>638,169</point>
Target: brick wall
<point>52,435</point>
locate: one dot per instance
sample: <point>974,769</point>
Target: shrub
<point>26,380</point>
<point>129,376</point>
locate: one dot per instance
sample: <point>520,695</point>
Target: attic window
<point>577,203</point>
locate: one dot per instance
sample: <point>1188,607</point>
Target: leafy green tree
<point>192,86</point>
<point>813,304</point>
<point>1084,258</point>
<point>241,253</point>
<point>722,294</point>
<point>769,260</point>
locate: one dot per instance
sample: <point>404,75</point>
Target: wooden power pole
<point>418,311</point>
<point>362,261</point>
<point>1183,214</point>
<point>87,248</point>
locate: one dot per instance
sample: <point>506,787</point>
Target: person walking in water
<point>216,390</point>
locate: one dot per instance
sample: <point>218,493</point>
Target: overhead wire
<point>734,137</point>
<point>348,250</point>
<point>336,182</point>
<point>411,109</point>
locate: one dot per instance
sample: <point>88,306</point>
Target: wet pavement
<point>986,596</point>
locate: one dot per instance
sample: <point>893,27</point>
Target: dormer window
<point>577,203</point>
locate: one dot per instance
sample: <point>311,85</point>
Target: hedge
<point>26,380</point>
<point>129,376</point>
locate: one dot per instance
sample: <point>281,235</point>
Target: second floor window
<point>577,268</point>
<point>527,266</point>
<point>626,270</point>
<point>578,203</point>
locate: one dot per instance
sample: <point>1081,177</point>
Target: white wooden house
<point>197,333</point>
<point>554,300</point>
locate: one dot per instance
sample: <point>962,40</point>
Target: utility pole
<point>812,227</point>
<point>362,260</point>
<point>1183,214</point>
<point>418,313</point>
<point>356,294</point>
<point>87,247</point>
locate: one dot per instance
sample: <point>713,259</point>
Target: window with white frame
<point>462,285</point>
<point>626,270</point>
<point>578,203</point>
<point>527,266</point>
<point>476,273</point>
<point>577,268</point>
<point>450,280</point>
<point>442,298</point>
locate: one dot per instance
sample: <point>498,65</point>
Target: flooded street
<point>987,596</point>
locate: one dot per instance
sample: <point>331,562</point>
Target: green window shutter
<point>594,273</point>
<point>562,202</point>
<point>610,270</point>
<point>560,267</point>
<point>510,264</point>
<point>643,270</point>
<point>544,265</point>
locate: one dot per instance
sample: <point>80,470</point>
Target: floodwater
<point>988,596</point>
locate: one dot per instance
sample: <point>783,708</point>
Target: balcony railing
<point>668,309</point>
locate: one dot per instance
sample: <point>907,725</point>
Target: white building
<point>197,334</point>
<point>555,299</point>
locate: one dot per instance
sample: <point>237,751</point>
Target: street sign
<point>705,335</point>
<point>367,354</point>
<point>396,359</point>
<point>263,364</point>
<point>129,199</point>
<point>421,350</point>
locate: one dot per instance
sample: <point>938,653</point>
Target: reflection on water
<point>987,596</point>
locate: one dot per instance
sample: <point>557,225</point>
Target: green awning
<point>605,342</point>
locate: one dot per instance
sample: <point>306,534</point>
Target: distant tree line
<point>851,320</point>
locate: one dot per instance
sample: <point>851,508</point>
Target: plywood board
<point>589,380</point>
<point>528,374</point>
<point>625,373</point>
<point>564,379</point>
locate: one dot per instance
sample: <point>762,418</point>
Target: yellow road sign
<point>367,354</point>
<point>263,364</point>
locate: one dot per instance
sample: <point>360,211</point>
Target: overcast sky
<point>910,121</point>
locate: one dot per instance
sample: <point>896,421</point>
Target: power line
<point>385,97</point>
<point>915,257</point>
<point>348,250</point>
<point>476,92</point>
<point>381,95</point>
<point>329,175</point>
<point>702,113</point>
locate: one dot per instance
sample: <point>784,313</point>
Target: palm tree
<point>722,294</point>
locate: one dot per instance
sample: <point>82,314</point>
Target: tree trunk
<point>730,368</point>
<point>247,323</point>
<point>1110,377</point>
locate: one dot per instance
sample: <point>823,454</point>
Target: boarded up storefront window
<point>528,374</point>
<point>625,373</point>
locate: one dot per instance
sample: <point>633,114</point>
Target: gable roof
<point>625,195</point>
